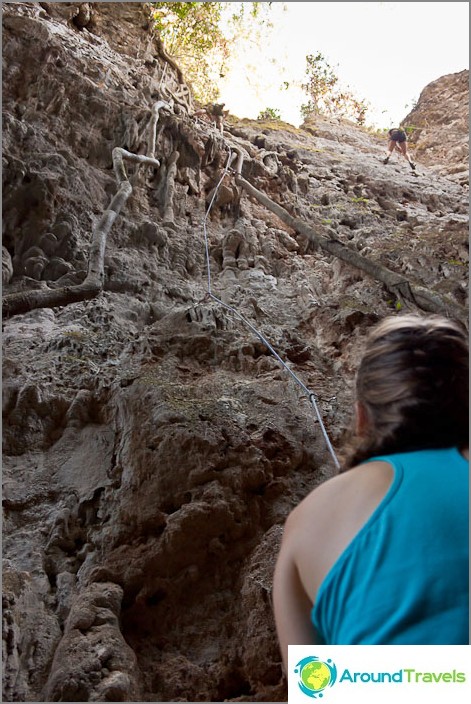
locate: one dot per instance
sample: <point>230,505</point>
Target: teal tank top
<point>404,578</point>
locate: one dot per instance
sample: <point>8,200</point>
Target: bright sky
<point>385,52</point>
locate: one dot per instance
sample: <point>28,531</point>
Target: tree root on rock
<point>399,285</point>
<point>24,301</point>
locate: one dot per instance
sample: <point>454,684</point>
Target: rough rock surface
<point>439,126</point>
<point>153,445</point>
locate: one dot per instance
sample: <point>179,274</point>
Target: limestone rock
<point>439,126</point>
<point>7,266</point>
<point>153,443</point>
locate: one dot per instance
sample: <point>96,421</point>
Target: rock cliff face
<point>439,126</point>
<point>153,445</point>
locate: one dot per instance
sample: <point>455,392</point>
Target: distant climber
<point>398,140</point>
<point>215,113</point>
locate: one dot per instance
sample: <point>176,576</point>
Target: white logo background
<point>377,659</point>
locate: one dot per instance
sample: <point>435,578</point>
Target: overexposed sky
<point>385,52</point>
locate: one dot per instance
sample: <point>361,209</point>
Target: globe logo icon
<point>315,675</point>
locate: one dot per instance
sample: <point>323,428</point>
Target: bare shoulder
<point>335,510</point>
<point>356,486</point>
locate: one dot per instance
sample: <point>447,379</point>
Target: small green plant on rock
<point>396,304</point>
<point>269,114</point>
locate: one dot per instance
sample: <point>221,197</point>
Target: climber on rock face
<point>398,140</point>
<point>215,113</point>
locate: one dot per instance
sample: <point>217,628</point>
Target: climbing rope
<point>311,396</point>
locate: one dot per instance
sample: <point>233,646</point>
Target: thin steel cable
<point>311,396</point>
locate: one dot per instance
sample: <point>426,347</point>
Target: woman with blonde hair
<point>378,554</point>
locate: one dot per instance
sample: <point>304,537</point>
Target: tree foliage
<point>325,94</point>
<point>269,114</point>
<point>200,35</point>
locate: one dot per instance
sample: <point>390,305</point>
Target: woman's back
<point>379,553</point>
<point>391,584</point>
